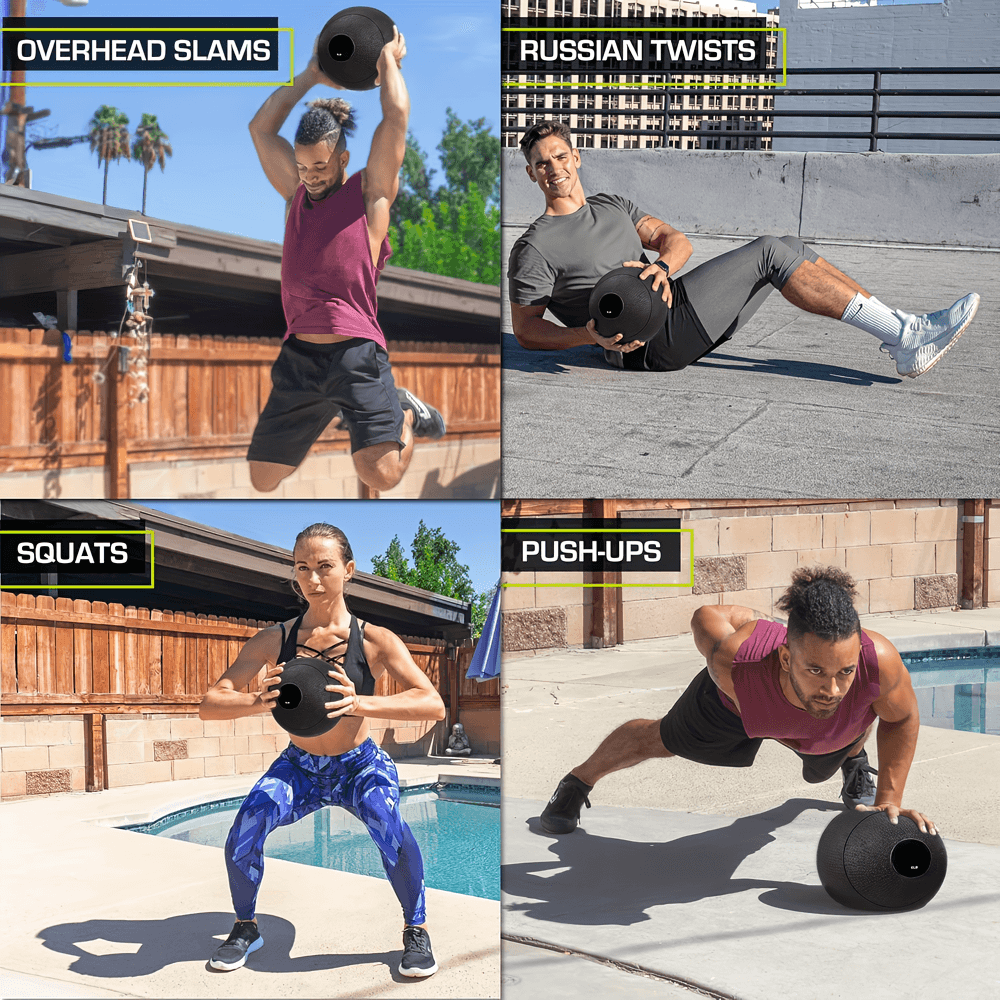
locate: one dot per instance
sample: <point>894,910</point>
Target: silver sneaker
<point>927,338</point>
<point>614,358</point>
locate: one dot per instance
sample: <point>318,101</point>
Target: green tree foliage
<point>469,155</point>
<point>463,242</point>
<point>435,568</point>
<point>109,138</point>
<point>150,147</point>
<point>454,229</point>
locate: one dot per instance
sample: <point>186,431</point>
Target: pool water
<point>958,688</point>
<point>456,826</point>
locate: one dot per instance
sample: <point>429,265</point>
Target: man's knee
<point>379,466</point>
<point>267,476</point>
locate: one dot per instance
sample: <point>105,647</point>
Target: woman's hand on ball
<point>612,343</point>
<point>396,49</point>
<point>343,684</point>
<point>660,279</point>
<point>269,687</point>
<point>924,825</point>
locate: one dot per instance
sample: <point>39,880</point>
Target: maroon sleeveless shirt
<point>327,276</point>
<point>766,712</point>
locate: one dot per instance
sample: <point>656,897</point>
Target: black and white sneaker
<point>562,814</point>
<point>427,422</point>
<point>418,959</point>
<point>244,940</point>
<point>859,788</point>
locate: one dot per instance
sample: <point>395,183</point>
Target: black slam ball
<point>867,863</point>
<point>624,303</point>
<point>302,695</point>
<point>350,44</point>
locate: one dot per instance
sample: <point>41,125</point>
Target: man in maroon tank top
<point>817,686</point>
<point>333,361</point>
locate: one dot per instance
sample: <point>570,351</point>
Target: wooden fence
<point>60,656</point>
<point>205,394</point>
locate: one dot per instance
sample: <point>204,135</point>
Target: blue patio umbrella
<point>486,659</point>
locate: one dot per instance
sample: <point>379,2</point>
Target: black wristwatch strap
<point>664,265</point>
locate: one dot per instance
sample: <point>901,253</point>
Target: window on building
<point>509,120</point>
<point>560,102</point>
<point>563,8</point>
<point>652,142</point>
<point>537,8</point>
<point>510,138</point>
<point>585,141</point>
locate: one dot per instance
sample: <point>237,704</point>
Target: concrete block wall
<point>931,198</point>
<point>438,469</point>
<point>904,555</point>
<point>41,755</point>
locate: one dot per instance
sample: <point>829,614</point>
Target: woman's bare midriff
<point>346,735</point>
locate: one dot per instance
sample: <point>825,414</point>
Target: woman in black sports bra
<point>342,767</point>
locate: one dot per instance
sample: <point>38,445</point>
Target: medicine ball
<point>624,303</point>
<point>866,862</point>
<point>350,44</point>
<point>301,696</point>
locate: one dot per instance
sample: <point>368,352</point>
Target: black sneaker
<point>562,813</point>
<point>418,959</point>
<point>859,788</point>
<point>244,940</point>
<point>427,422</point>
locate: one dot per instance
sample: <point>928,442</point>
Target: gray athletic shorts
<point>714,300</point>
<point>311,384</point>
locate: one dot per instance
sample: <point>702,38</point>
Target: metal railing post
<point>873,142</point>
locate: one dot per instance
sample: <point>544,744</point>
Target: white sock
<point>873,317</point>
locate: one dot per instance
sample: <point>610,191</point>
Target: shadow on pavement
<point>606,880</point>
<point>797,369</point>
<point>189,938</point>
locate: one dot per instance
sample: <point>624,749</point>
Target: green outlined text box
<point>160,83</point>
<point>608,71</point>
<point>623,531</point>
<point>87,586</point>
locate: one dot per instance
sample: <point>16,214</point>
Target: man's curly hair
<point>820,601</point>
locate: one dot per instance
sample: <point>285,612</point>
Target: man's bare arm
<point>275,152</point>
<point>389,141</point>
<point>537,334</point>
<point>671,245</point>
<point>898,728</point>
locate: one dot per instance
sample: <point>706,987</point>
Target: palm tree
<point>108,138</point>
<point>150,147</point>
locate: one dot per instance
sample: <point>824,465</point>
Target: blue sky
<point>368,524</point>
<point>213,179</point>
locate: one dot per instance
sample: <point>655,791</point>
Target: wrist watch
<point>664,265</point>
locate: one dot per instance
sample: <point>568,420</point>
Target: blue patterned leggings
<point>363,781</point>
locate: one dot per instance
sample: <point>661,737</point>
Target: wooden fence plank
<point>45,647</point>
<point>83,662</point>
<point>101,638</point>
<point>131,646</point>
<point>27,670</point>
<point>8,643</point>
<point>64,649</point>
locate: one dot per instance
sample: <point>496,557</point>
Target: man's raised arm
<point>389,141</point>
<point>274,152</point>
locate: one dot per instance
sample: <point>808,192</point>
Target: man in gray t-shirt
<point>555,264</point>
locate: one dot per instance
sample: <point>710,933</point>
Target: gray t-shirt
<point>560,258</point>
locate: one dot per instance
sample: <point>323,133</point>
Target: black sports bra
<point>351,655</point>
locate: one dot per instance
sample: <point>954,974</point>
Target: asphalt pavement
<point>794,405</point>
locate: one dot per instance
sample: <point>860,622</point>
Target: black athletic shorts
<point>311,384</point>
<point>700,728</point>
<point>715,299</point>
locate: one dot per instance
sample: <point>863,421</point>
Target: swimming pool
<point>958,688</point>
<point>457,827</point>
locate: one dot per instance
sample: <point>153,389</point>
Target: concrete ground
<point>92,911</point>
<point>685,880</point>
<point>812,390</point>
